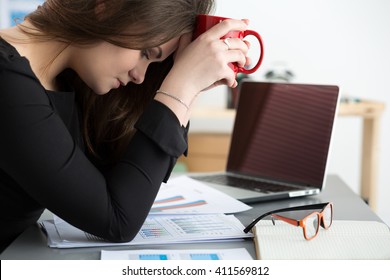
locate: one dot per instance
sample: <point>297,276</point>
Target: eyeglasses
<point>310,224</point>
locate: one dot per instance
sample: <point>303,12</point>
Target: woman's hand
<point>203,64</point>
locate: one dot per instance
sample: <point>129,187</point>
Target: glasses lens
<point>312,223</point>
<point>327,215</point>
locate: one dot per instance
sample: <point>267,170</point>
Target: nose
<point>137,74</point>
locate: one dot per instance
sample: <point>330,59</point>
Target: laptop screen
<point>282,131</point>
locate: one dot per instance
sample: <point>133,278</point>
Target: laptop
<point>280,141</point>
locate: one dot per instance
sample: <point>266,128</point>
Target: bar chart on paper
<point>152,229</point>
<point>196,256</point>
<point>162,255</point>
<point>183,195</point>
<point>180,202</point>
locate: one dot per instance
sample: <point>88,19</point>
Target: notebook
<point>348,240</point>
<point>280,141</point>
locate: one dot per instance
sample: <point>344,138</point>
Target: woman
<point>88,129</point>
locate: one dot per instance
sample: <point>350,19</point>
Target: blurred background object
<point>279,72</point>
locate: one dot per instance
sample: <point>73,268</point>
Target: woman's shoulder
<point>12,62</point>
<point>7,51</point>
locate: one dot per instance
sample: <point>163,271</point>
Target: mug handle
<point>253,69</point>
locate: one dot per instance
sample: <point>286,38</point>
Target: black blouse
<point>43,165</point>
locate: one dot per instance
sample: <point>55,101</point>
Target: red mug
<point>205,22</point>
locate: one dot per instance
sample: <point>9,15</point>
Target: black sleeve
<point>38,152</point>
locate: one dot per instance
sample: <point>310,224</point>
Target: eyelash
<point>145,54</point>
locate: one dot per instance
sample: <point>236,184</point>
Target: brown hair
<point>108,120</point>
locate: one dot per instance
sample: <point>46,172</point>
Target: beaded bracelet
<point>174,97</point>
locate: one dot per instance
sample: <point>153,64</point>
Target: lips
<point>121,83</point>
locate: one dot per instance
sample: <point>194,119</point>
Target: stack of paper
<point>351,240</point>
<point>156,230</point>
<point>192,212</point>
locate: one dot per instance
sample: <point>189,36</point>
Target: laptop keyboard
<point>259,186</point>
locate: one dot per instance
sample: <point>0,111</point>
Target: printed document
<point>183,195</point>
<point>184,210</point>
<point>157,229</point>
<point>199,254</point>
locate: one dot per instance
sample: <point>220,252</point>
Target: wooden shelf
<point>366,109</point>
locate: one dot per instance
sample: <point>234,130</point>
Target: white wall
<point>343,42</point>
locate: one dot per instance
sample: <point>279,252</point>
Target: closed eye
<point>146,54</point>
<point>154,53</point>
